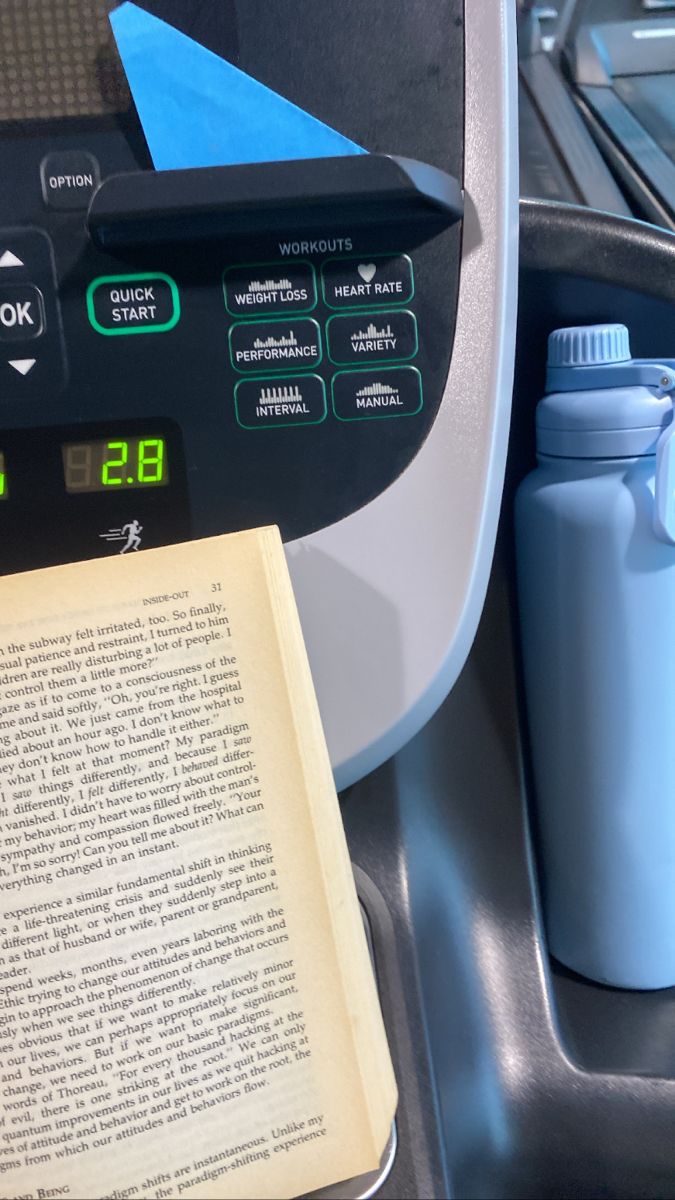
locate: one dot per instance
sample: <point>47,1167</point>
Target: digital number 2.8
<point>149,465</point>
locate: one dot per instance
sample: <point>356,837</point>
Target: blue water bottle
<point>595,543</point>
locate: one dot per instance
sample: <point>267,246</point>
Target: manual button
<point>392,392</point>
<point>275,287</point>
<point>274,402</point>
<point>21,312</point>
<point>122,304</point>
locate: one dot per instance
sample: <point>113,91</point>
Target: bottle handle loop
<point>664,484</point>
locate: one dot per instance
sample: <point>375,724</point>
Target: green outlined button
<point>286,343</point>
<point>124,304</point>
<point>270,289</point>
<point>384,392</point>
<point>367,281</point>
<point>372,337</point>
<point>275,402</point>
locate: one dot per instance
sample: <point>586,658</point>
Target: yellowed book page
<point>186,1007</point>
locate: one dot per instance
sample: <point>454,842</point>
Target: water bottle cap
<point>588,346</point>
<point>600,402</point>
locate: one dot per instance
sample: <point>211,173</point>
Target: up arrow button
<point>9,259</point>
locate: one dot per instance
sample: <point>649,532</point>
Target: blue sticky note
<point>197,110</point>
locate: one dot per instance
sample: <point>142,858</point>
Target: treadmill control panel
<point>287,375</point>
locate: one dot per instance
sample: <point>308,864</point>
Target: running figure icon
<point>133,531</point>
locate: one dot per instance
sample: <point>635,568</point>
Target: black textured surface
<point>57,59</point>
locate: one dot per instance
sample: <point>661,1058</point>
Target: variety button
<point>124,304</point>
<point>272,402</point>
<point>69,179</point>
<point>269,288</point>
<point>372,337</point>
<point>275,345</point>
<point>21,312</point>
<point>393,392</point>
<point>369,282</point>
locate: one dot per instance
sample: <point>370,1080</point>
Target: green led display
<point>103,466</point>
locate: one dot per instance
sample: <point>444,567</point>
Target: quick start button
<point>122,304</point>
<point>269,288</point>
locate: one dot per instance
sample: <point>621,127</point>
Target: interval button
<point>275,402</point>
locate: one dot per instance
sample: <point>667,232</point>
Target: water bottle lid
<point>588,346</point>
<point>601,403</point>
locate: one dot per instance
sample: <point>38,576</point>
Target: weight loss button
<point>269,288</point>
<point>123,304</point>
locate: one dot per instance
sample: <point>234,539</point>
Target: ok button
<point>21,313</point>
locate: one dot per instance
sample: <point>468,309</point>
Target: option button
<point>69,179</point>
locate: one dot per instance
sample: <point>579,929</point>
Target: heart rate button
<point>385,280</point>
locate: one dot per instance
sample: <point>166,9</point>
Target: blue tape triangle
<point>197,110</point>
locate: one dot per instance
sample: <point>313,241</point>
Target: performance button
<point>273,403</point>
<point>123,304</point>
<point>372,337</point>
<point>393,392</point>
<point>21,312</point>
<point>275,345</point>
<point>269,288</point>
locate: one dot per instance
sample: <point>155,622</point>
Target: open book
<point>187,1006</point>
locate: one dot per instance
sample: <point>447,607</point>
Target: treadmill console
<point>207,378</point>
<point>322,343</point>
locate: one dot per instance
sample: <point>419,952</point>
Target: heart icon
<point>366,271</point>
